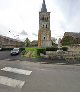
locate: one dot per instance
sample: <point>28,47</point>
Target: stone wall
<point>74,48</point>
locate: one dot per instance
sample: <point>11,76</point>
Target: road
<point>27,76</point>
<point>5,55</point>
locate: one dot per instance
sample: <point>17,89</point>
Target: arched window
<point>46,26</point>
<point>43,26</point>
<point>44,38</point>
<point>43,18</point>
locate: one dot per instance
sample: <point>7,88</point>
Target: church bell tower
<point>44,33</point>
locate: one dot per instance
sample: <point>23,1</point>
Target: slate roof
<point>73,34</point>
<point>9,38</point>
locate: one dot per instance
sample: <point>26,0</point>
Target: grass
<point>31,52</point>
<point>31,49</point>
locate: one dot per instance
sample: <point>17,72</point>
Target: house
<point>6,42</point>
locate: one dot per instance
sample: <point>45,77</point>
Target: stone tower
<point>44,33</point>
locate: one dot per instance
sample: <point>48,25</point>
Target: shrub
<point>23,52</point>
<point>41,50</point>
<point>64,48</point>
<point>6,49</point>
<point>68,40</point>
<point>51,49</point>
<point>22,49</point>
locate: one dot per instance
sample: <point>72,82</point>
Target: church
<point>44,33</point>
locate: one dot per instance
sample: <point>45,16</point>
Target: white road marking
<point>11,82</point>
<point>15,70</point>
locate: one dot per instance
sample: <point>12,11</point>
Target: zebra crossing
<point>15,70</point>
<point>13,82</point>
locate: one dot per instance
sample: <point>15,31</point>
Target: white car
<point>15,51</point>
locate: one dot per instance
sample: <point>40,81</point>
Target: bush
<point>23,52</point>
<point>41,50</point>
<point>51,49</point>
<point>22,49</point>
<point>64,48</point>
<point>6,49</point>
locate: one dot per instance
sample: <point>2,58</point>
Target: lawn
<point>31,52</point>
<point>31,48</point>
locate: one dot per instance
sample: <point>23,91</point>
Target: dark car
<point>15,51</point>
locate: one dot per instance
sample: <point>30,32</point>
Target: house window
<point>44,38</point>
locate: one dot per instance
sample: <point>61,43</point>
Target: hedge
<point>21,49</point>
<point>55,49</point>
<point>6,49</point>
<point>51,49</point>
<point>41,50</point>
<point>64,48</point>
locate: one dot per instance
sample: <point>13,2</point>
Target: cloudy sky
<point>20,18</point>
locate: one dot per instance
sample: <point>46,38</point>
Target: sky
<point>19,19</point>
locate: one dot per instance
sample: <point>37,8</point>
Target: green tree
<point>27,42</point>
<point>67,40</point>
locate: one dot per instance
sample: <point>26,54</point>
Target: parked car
<point>15,51</point>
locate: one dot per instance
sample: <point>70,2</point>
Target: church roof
<point>43,9</point>
<point>5,37</point>
<point>73,34</point>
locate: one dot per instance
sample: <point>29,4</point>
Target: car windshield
<point>15,49</point>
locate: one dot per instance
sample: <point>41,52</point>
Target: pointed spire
<point>43,9</point>
<point>44,1</point>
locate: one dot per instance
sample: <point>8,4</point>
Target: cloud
<point>24,33</point>
<point>34,34</point>
<point>4,30</point>
<point>22,14</point>
<point>69,8</point>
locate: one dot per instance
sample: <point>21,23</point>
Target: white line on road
<point>15,70</point>
<point>11,82</point>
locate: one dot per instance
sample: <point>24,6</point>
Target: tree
<point>67,40</point>
<point>27,42</point>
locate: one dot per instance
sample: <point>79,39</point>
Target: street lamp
<point>9,40</point>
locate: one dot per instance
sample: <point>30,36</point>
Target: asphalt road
<point>43,78</point>
<point>5,55</point>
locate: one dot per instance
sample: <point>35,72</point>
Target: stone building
<point>44,33</point>
<point>73,34</point>
<point>6,42</point>
<point>71,38</point>
<point>34,43</point>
